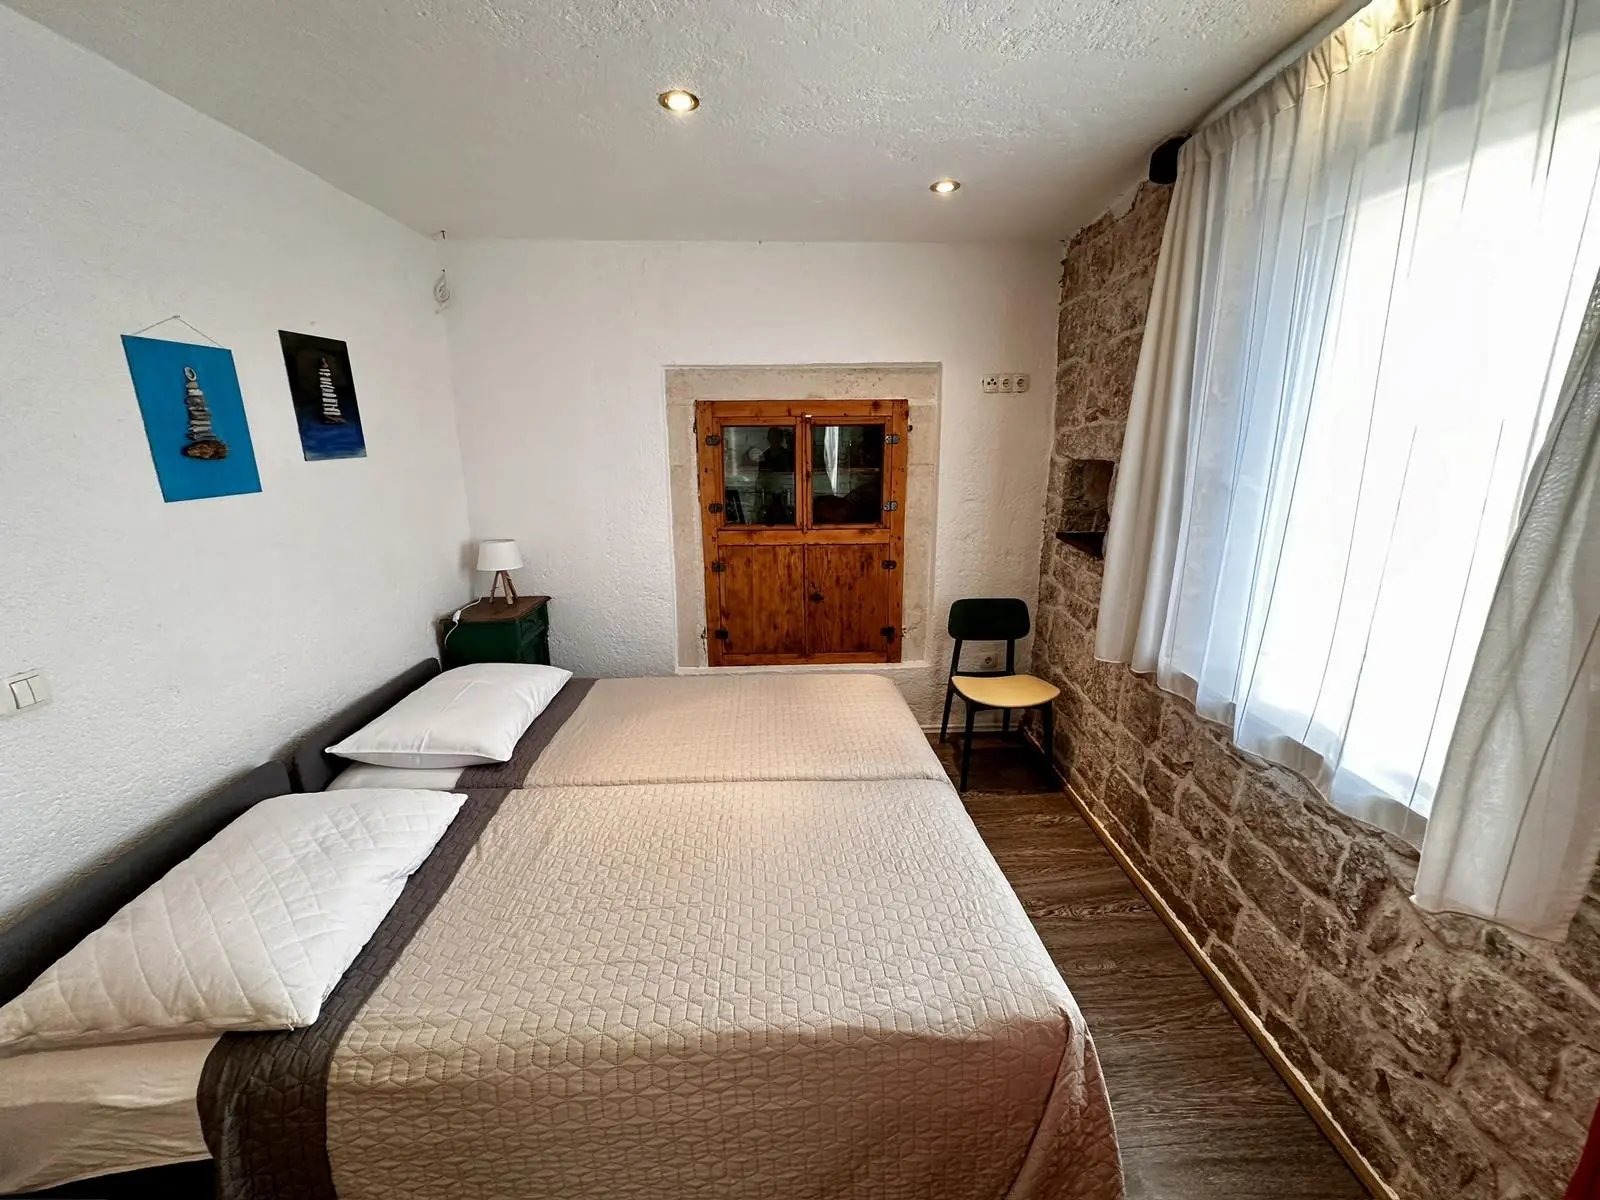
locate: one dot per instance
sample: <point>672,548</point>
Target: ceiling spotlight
<point>944,186</point>
<point>676,100</point>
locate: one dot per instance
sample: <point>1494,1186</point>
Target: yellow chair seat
<point>1005,691</point>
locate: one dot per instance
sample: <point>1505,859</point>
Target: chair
<point>994,620</point>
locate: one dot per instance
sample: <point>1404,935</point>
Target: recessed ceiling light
<point>944,186</point>
<point>676,100</point>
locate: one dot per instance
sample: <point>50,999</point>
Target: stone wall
<point>1463,1061</point>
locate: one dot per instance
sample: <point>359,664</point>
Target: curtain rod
<point>1290,54</point>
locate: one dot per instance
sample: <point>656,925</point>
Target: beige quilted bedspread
<point>705,728</point>
<point>784,990</point>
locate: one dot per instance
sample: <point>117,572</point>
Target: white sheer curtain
<point>1516,824</point>
<point>1373,276</point>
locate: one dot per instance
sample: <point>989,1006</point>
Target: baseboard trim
<point>1298,1084</point>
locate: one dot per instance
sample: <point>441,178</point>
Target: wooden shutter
<point>763,605</point>
<point>847,602</point>
<point>802,541</point>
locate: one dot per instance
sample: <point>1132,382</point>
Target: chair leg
<point>966,745</point>
<point>944,725</point>
<point>1048,712</point>
<point>1005,722</point>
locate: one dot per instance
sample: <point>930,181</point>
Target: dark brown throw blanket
<point>512,773</point>
<point>263,1096</point>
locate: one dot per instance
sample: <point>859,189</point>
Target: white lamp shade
<point>498,554</point>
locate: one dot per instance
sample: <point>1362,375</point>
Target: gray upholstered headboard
<point>44,935</point>
<point>311,766</point>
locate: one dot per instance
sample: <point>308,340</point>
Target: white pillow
<point>464,717</point>
<point>252,931</point>
<point>365,775</point>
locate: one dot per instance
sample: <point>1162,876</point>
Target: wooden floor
<point>1200,1113</point>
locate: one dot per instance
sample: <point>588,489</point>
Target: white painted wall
<point>558,352</point>
<point>189,641</point>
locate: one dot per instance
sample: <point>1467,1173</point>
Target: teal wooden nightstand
<point>492,631</point>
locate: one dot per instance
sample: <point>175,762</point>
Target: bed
<point>686,729</point>
<point>693,988</point>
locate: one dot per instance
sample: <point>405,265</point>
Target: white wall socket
<point>1014,382</point>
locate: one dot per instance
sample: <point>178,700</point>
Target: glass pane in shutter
<point>847,474</point>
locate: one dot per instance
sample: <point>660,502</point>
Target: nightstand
<point>492,631</point>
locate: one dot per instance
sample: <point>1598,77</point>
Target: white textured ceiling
<point>822,119</point>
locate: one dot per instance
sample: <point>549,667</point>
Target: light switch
<point>23,690</point>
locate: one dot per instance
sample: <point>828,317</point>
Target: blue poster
<point>194,418</point>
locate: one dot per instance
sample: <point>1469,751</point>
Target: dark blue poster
<point>324,396</point>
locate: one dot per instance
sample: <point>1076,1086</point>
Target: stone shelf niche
<point>1086,505</point>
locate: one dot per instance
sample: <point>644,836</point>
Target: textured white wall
<point>189,641</point>
<point>558,352</point>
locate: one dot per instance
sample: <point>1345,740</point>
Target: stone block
<point>1112,366</point>
<point>1410,1000</point>
<point>1230,968</point>
<point>1217,767</point>
<point>1577,1081</point>
<point>1102,440</point>
<point>1361,1123</point>
<point>1444,1148</point>
<point>1123,307</point>
<point>1129,756</point>
<point>1207,824</point>
<point>1100,682</point>
<point>1294,1047</point>
<point>1077,330</point>
<point>1389,927</point>
<point>1274,963</point>
<point>1175,734</point>
<point>1326,940</point>
<point>1085,614</point>
<point>1127,803</point>
<point>1215,898</point>
<point>1543,1140</point>
<point>1160,785</point>
<point>1333,1022</point>
<point>1173,857</point>
<point>1363,881</point>
<point>1534,968</point>
<point>1140,709</point>
<point>1265,882</point>
<point>1305,845</point>
<point>1580,953</point>
<point>1494,1014</point>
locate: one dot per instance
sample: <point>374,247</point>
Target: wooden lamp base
<point>503,578</point>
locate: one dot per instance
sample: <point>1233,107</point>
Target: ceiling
<point>822,119</point>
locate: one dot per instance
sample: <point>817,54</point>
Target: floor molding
<point>1297,1082</point>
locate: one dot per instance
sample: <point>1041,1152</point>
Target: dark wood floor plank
<point>1201,1115</point>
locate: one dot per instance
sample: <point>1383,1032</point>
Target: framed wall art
<point>194,418</point>
<point>324,394</point>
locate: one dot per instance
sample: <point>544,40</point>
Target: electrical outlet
<point>1012,382</point>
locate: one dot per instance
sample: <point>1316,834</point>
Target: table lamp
<point>500,556</point>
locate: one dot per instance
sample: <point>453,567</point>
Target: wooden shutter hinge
<point>718,567</point>
<point>889,564</point>
<point>716,508</point>
<point>892,506</point>
<point>892,439</point>
<point>713,439</point>
<point>720,634</point>
<point>888,632</point>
